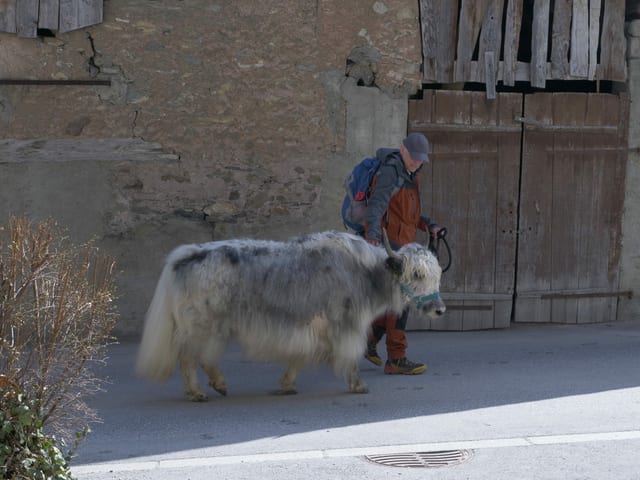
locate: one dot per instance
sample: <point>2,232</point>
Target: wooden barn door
<point>531,189</point>
<point>471,187</point>
<point>573,183</point>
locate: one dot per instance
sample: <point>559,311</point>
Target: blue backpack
<point>358,188</point>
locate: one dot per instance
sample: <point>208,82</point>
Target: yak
<point>307,300</point>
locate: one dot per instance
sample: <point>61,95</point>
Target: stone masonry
<point>223,119</point>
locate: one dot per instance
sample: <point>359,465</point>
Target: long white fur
<point>181,324</point>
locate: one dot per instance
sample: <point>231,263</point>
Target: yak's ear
<point>395,264</point>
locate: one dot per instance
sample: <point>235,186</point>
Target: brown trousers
<point>393,325</point>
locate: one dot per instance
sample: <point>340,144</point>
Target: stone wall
<point>223,119</point>
<point>630,258</point>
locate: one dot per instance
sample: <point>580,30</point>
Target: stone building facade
<point>220,119</point>
<point>172,122</point>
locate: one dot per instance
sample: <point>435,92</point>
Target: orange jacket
<point>394,204</point>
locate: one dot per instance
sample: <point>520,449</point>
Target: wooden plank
<point>510,105</point>
<point>469,183</point>
<point>479,249</point>
<point>472,13</point>
<point>579,60</point>
<point>594,36</point>
<point>429,31</point>
<point>490,74</point>
<point>27,18</point>
<point>446,207</point>
<point>75,14</point>
<point>448,17</point>
<point>420,110</point>
<point>613,43</point>
<point>522,72</point>
<point>439,30</point>
<point>534,240</point>
<point>567,197</point>
<point>48,17</point>
<point>8,16</point>
<point>539,43</point>
<point>560,34</point>
<point>452,107</point>
<point>489,43</point>
<point>601,246</point>
<point>512,40</point>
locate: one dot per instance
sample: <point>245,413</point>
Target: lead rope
<point>440,237</point>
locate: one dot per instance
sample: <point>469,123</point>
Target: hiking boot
<point>402,366</point>
<point>372,355</point>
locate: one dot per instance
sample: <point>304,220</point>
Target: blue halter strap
<point>420,300</point>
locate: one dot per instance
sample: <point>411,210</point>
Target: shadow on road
<point>467,371</point>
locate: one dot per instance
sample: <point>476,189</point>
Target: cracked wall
<point>223,119</point>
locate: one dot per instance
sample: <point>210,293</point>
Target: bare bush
<point>56,318</point>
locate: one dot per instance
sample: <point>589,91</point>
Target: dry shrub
<point>56,317</point>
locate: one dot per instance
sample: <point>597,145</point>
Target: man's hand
<point>373,241</point>
<point>434,228</point>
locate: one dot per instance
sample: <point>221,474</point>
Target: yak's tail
<point>158,352</point>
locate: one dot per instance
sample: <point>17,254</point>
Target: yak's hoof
<point>221,389</point>
<point>362,388</point>
<point>197,397</point>
<point>286,391</point>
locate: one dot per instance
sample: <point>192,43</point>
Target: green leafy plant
<point>56,318</point>
<point>26,452</point>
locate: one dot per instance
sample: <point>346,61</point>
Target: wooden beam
<point>560,34</point>
<point>490,40</point>
<point>75,14</point>
<point>27,18</point>
<point>539,43</point>
<point>594,36</point>
<point>48,17</point>
<point>490,74</point>
<point>438,25</point>
<point>472,13</point>
<point>511,40</point>
<point>579,62</point>
<point>613,43</point>
<point>8,16</point>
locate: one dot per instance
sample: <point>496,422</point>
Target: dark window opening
<point>45,32</point>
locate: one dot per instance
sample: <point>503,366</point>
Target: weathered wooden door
<point>471,188</point>
<point>573,178</point>
<point>530,188</point>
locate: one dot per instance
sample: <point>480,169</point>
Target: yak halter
<point>419,299</point>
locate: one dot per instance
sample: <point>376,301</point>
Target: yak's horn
<point>387,245</point>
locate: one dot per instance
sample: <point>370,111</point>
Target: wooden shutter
<point>25,17</point>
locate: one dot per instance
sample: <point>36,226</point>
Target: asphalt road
<point>528,402</point>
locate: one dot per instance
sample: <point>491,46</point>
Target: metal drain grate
<point>444,458</point>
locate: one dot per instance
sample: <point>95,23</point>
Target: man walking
<point>394,204</point>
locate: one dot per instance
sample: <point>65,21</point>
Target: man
<point>394,204</point>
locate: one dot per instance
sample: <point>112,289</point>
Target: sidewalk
<point>531,401</point>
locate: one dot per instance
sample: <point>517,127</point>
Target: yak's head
<point>419,273</point>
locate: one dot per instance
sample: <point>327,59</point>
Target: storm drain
<point>444,458</point>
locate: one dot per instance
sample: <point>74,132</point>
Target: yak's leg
<point>212,352</point>
<point>190,379</point>
<point>347,351</point>
<point>356,384</point>
<point>216,379</point>
<point>288,380</point>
